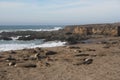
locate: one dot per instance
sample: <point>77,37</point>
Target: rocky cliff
<point>95,29</point>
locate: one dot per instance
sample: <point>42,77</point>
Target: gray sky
<point>59,11</point>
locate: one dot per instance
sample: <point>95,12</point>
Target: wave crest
<point>52,29</point>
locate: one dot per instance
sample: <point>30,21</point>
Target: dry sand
<point>65,63</point>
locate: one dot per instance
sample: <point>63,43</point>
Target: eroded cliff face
<point>95,29</point>
<point>113,30</point>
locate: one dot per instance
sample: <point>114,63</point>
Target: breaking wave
<point>17,45</point>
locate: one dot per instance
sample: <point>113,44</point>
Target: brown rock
<point>11,63</point>
<point>99,29</point>
<point>26,65</point>
<point>51,53</point>
<point>106,47</point>
<point>12,52</point>
<point>88,61</point>
<point>84,61</point>
<point>73,47</point>
<point>82,54</point>
<point>10,58</point>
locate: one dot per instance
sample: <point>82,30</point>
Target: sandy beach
<point>97,60</point>
<point>59,39</point>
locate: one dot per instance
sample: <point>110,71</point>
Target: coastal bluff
<point>95,29</point>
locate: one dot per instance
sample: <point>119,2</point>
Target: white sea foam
<point>7,47</point>
<point>27,36</point>
<point>15,38</point>
<point>16,46</point>
<point>51,44</point>
<point>52,29</point>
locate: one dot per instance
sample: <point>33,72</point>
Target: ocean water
<point>16,44</point>
<point>11,28</point>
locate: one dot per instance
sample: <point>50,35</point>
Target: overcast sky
<point>59,11</point>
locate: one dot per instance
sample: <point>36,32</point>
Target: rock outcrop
<point>95,29</point>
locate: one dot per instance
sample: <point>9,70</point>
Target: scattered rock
<point>26,65</point>
<point>47,64</point>
<point>84,61</point>
<point>32,58</point>
<point>104,42</point>
<point>78,51</point>
<point>49,59</point>
<point>40,63</point>
<point>11,63</point>
<point>114,42</point>
<point>88,49</point>
<point>102,54</point>
<point>78,63</point>
<point>32,51</point>
<point>10,58</point>
<point>82,54</point>
<point>106,47</point>
<point>12,52</point>
<point>26,57</point>
<point>94,55</point>
<point>37,56</point>
<point>73,47</point>
<point>51,53</point>
<point>38,50</point>
<point>88,61</point>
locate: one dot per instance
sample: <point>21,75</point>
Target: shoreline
<point>74,62</point>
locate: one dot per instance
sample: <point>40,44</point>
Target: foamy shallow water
<point>17,45</point>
